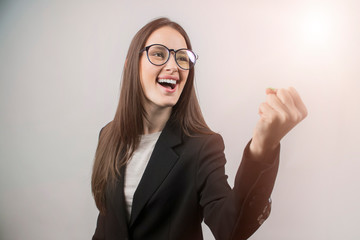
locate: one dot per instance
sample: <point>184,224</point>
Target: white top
<point>136,166</point>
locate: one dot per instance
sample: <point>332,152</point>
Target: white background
<point>60,69</point>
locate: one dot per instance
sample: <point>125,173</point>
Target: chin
<point>166,105</point>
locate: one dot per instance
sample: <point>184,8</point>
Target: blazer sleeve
<point>234,213</point>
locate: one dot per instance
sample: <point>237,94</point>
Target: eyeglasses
<point>159,55</point>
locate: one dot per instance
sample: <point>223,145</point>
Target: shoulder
<point>205,144</point>
<point>211,137</point>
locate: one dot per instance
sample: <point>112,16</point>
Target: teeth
<point>170,81</point>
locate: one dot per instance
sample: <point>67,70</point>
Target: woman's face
<point>158,93</point>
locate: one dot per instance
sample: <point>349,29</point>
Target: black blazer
<point>183,184</point>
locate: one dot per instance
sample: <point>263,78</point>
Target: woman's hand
<point>282,110</point>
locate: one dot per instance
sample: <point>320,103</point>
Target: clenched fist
<point>282,110</point>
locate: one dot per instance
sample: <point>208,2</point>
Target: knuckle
<point>279,118</point>
<point>286,118</point>
<point>305,113</point>
<point>296,117</point>
<point>273,117</point>
<point>282,90</point>
<point>302,115</point>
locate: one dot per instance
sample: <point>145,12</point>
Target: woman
<point>159,169</point>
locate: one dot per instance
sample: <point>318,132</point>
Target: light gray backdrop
<point>60,69</point>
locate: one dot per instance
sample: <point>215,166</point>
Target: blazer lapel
<point>161,162</point>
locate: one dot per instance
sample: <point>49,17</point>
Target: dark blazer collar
<point>162,160</point>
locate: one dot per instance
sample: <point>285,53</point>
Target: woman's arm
<point>234,213</point>
<point>238,213</point>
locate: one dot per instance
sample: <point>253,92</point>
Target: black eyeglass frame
<point>169,50</point>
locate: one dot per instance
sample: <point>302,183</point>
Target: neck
<point>156,119</point>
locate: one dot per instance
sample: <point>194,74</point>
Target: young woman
<point>159,169</point>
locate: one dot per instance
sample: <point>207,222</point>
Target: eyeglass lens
<point>158,55</point>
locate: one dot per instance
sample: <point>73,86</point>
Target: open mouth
<point>167,83</point>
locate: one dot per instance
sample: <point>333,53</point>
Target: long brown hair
<point>119,139</point>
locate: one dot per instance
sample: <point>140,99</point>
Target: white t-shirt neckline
<point>136,166</point>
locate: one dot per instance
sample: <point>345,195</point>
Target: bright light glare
<point>317,28</point>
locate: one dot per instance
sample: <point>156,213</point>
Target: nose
<point>171,64</point>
